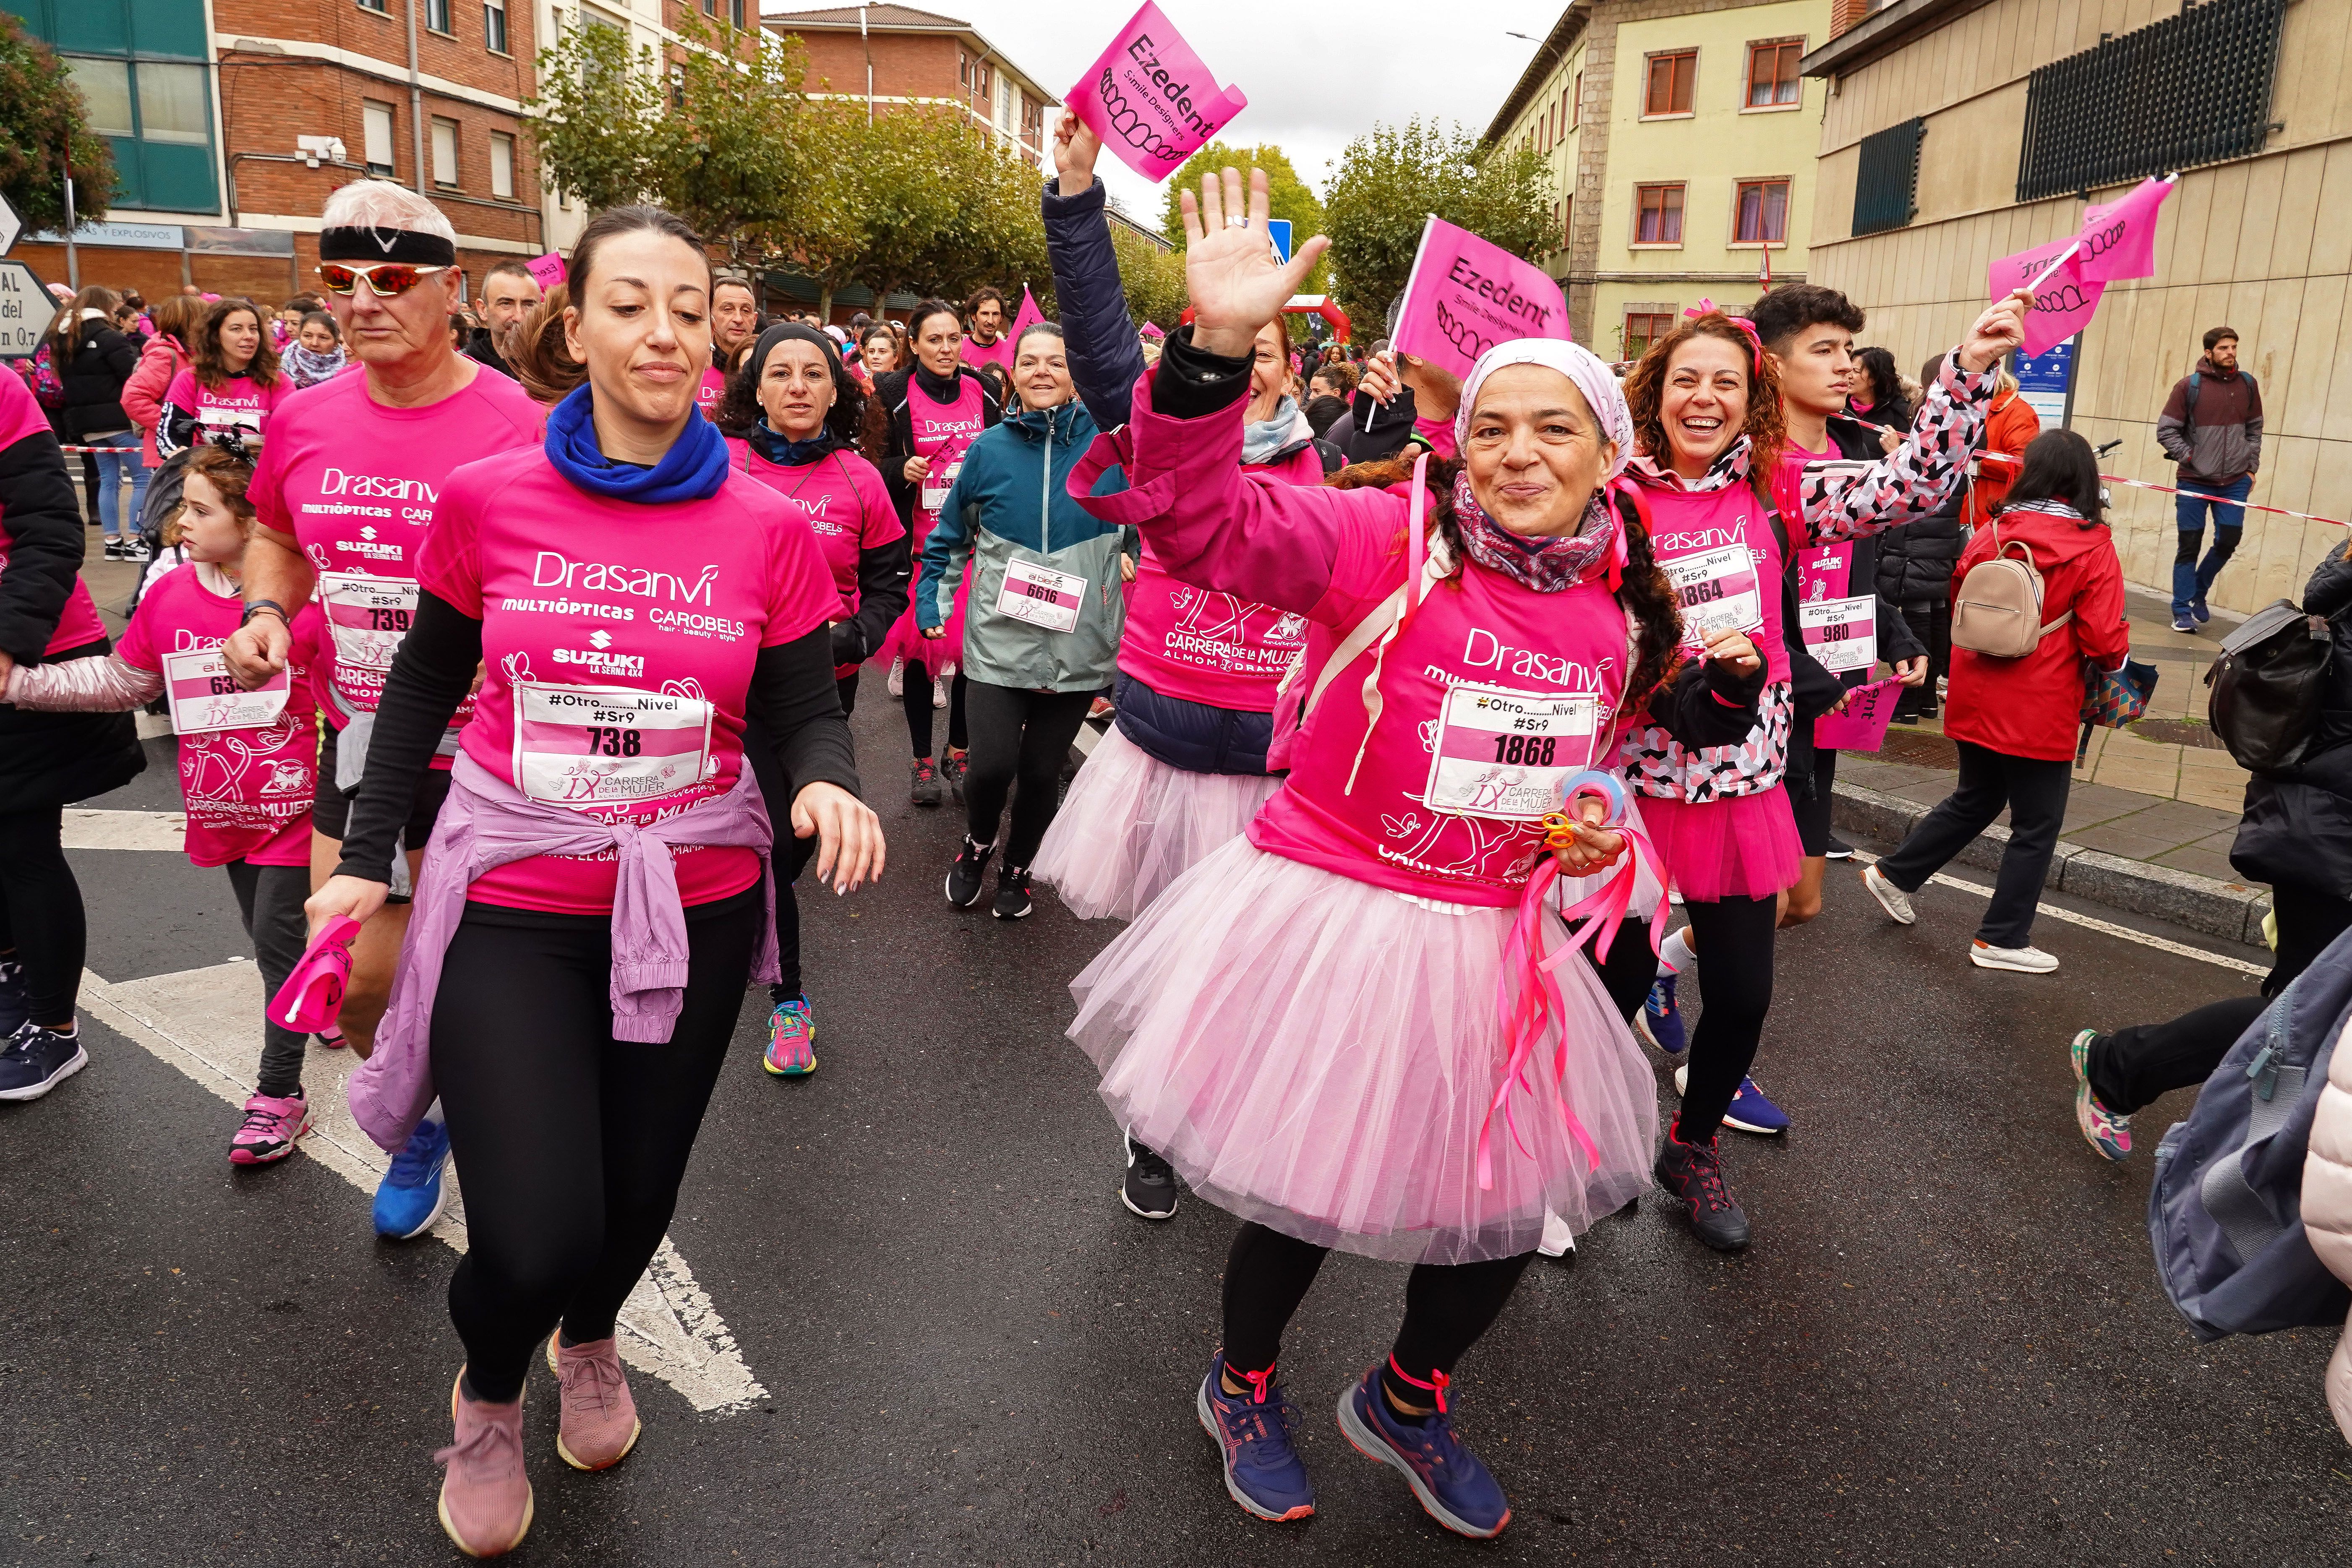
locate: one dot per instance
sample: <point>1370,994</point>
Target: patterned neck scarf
<point>1729,468</point>
<point>1545,565</point>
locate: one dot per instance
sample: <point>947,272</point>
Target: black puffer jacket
<point>1915,561</point>
<point>2298,823</point>
<point>93,380</point>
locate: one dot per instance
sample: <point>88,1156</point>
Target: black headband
<point>798,332</point>
<point>356,243</point>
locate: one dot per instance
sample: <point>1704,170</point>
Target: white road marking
<point>2219,960</point>
<point>206,1022</point>
<point>86,829</point>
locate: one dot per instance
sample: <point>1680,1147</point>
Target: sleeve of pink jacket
<point>1305,548</point>
<point>142,394</point>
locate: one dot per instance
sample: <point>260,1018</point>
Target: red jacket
<point>2032,707</point>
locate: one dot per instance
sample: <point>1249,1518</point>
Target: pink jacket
<point>143,394</point>
<point>2327,1212</point>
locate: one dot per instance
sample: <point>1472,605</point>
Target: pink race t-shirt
<point>356,484</point>
<point>1718,550</point>
<point>21,416</point>
<point>1492,698</point>
<point>942,432</point>
<point>240,404</point>
<point>846,505</point>
<point>618,642</point>
<point>998,353</point>
<point>247,757</point>
<point>709,390</point>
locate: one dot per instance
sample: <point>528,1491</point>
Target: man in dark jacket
<point>508,293</point>
<point>2212,426</point>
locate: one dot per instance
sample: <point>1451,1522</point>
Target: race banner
<point>1464,296</point>
<point>1151,100</point>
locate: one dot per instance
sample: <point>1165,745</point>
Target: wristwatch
<point>268,606</point>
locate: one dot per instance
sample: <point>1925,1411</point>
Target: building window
<point>1773,78</point>
<point>1644,328</point>
<point>375,6</point>
<point>436,17</point>
<point>502,165</point>
<point>445,153</point>
<point>1658,214</point>
<point>1886,177</point>
<point>1672,77</point>
<point>1568,221</point>
<point>106,90</point>
<point>494,26</point>
<point>375,120</point>
<point>1576,102</point>
<point>1761,215</point>
<point>677,86</point>
<point>735,14</point>
<point>2118,113</point>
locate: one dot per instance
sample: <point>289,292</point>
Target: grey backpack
<point>2226,1211</point>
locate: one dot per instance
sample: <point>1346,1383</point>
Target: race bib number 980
<point>1840,634</point>
<point>589,746</point>
<point>1507,753</point>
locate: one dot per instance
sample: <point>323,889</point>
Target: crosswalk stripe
<point>86,829</point>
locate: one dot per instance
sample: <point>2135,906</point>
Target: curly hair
<point>1645,387</point>
<point>1643,590</point>
<point>739,408</point>
<point>204,355</point>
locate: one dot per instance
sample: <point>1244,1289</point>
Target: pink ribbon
<point>1708,308</point>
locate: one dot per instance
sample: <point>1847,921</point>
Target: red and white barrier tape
<point>2177,490</point>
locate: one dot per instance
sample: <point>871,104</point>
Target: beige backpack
<point>1997,610</point>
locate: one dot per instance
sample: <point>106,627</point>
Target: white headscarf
<point>1581,365</point>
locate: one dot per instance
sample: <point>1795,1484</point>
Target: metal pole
<point>73,261</point>
<point>2074,375</point>
<point>867,41</point>
<point>415,100</point>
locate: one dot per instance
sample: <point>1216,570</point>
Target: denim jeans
<point>123,462</point>
<point>2193,579</point>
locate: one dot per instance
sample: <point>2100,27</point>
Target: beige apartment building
<point>1960,131</point>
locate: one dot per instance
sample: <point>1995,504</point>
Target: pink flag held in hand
<point>549,269</point>
<point>2119,238</point>
<point>1151,100</point>
<point>2062,302</point>
<point>1029,316</point>
<point>1464,295</point>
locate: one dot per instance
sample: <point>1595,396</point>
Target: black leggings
<point>790,855</point>
<point>41,916</point>
<point>269,899</point>
<point>572,1143</point>
<point>1446,1306</point>
<point>918,699</point>
<point>1733,939</point>
<point>1023,738</point>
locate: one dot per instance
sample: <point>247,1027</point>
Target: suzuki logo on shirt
<point>1482,650</point>
<point>552,569</point>
<point>601,662</point>
<point>367,530</point>
<point>600,640</point>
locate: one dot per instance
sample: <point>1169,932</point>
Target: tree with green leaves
<point>1153,277</point>
<point>44,122</point>
<point>1389,181</point>
<point>1287,196</point>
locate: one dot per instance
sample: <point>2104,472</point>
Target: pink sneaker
<point>271,1125</point>
<point>485,1500</point>
<point>600,1420</point>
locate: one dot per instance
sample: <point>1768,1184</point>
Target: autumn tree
<point>42,115</point>
<point>1389,181</point>
<point>1287,196</point>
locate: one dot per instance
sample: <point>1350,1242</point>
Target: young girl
<point>230,387</point>
<point>317,352</point>
<point>245,757</point>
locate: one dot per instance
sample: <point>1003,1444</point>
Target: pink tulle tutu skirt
<point>1131,825</point>
<point>1319,1055</point>
<point>929,654</point>
<point>1741,846</point>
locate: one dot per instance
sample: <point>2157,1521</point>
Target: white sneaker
<point>897,683</point>
<point>1559,1241</point>
<point>2025,960</point>
<point>1891,898</point>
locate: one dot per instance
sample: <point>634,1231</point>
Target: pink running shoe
<point>486,1502</point>
<point>600,1420</point>
<point>270,1126</point>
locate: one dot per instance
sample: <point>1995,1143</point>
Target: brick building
<point>896,55</point>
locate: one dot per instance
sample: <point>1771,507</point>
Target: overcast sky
<point>1317,76</point>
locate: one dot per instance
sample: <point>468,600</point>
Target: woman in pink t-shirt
<point>245,757</point>
<point>231,383</point>
<point>1311,1022</point>
<point>790,412</point>
<point>592,900</point>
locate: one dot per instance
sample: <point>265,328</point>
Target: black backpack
<point>2266,686</point>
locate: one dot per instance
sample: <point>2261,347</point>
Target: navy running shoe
<point>1660,1020</point>
<point>1452,1486</point>
<point>413,1194</point>
<point>1263,1472</point>
<point>1750,1111</point>
<point>35,1060</point>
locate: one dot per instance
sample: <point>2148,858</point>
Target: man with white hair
<point>342,497</point>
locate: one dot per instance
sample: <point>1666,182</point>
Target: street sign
<point>26,310</point>
<point>10,226</point>
<point>1279,229</point>
<point>2045,381</point>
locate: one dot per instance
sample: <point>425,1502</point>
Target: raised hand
<point>1237,285</point>
<point>2001,329</point>
<point>1076,148</point>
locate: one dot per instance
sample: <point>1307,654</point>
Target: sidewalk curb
<point>2230,910</point>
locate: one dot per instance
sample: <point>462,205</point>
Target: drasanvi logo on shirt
<point>1482,650</point>
<point>552,569</point>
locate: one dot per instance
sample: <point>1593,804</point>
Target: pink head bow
<point>1709,308</point>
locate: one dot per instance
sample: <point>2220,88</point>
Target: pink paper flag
<point>1029,315</point>
<point>2062,302</point>
<point>549,269</point>
<point>1151,100</point>
<point>2119,237</point>
<point>1863,726</point>
<point>1464,296</point>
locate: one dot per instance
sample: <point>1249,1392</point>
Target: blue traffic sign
<point>1279,227</point>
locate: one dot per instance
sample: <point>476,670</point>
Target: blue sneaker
<point>1750,1111</point>
<point>1449,1481</point>
<point>2199,610</point>
<point>1263,1472</point>
<point>1660,1020</point>
<point>35,1060</point>
<point>413,1194</point>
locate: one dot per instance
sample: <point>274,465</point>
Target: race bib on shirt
<point>937,483</point>
<point>367,616</point>
<point>591,746</point>
<point>206,697</point>
<point>1718,592</point>
<point>1041,596</point>
<point>1842,634</point>
<point>1505,753</point>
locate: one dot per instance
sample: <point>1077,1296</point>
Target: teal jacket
<point>1011,503</point>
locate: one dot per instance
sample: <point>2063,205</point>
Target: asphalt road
<point>1947,1345</point>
